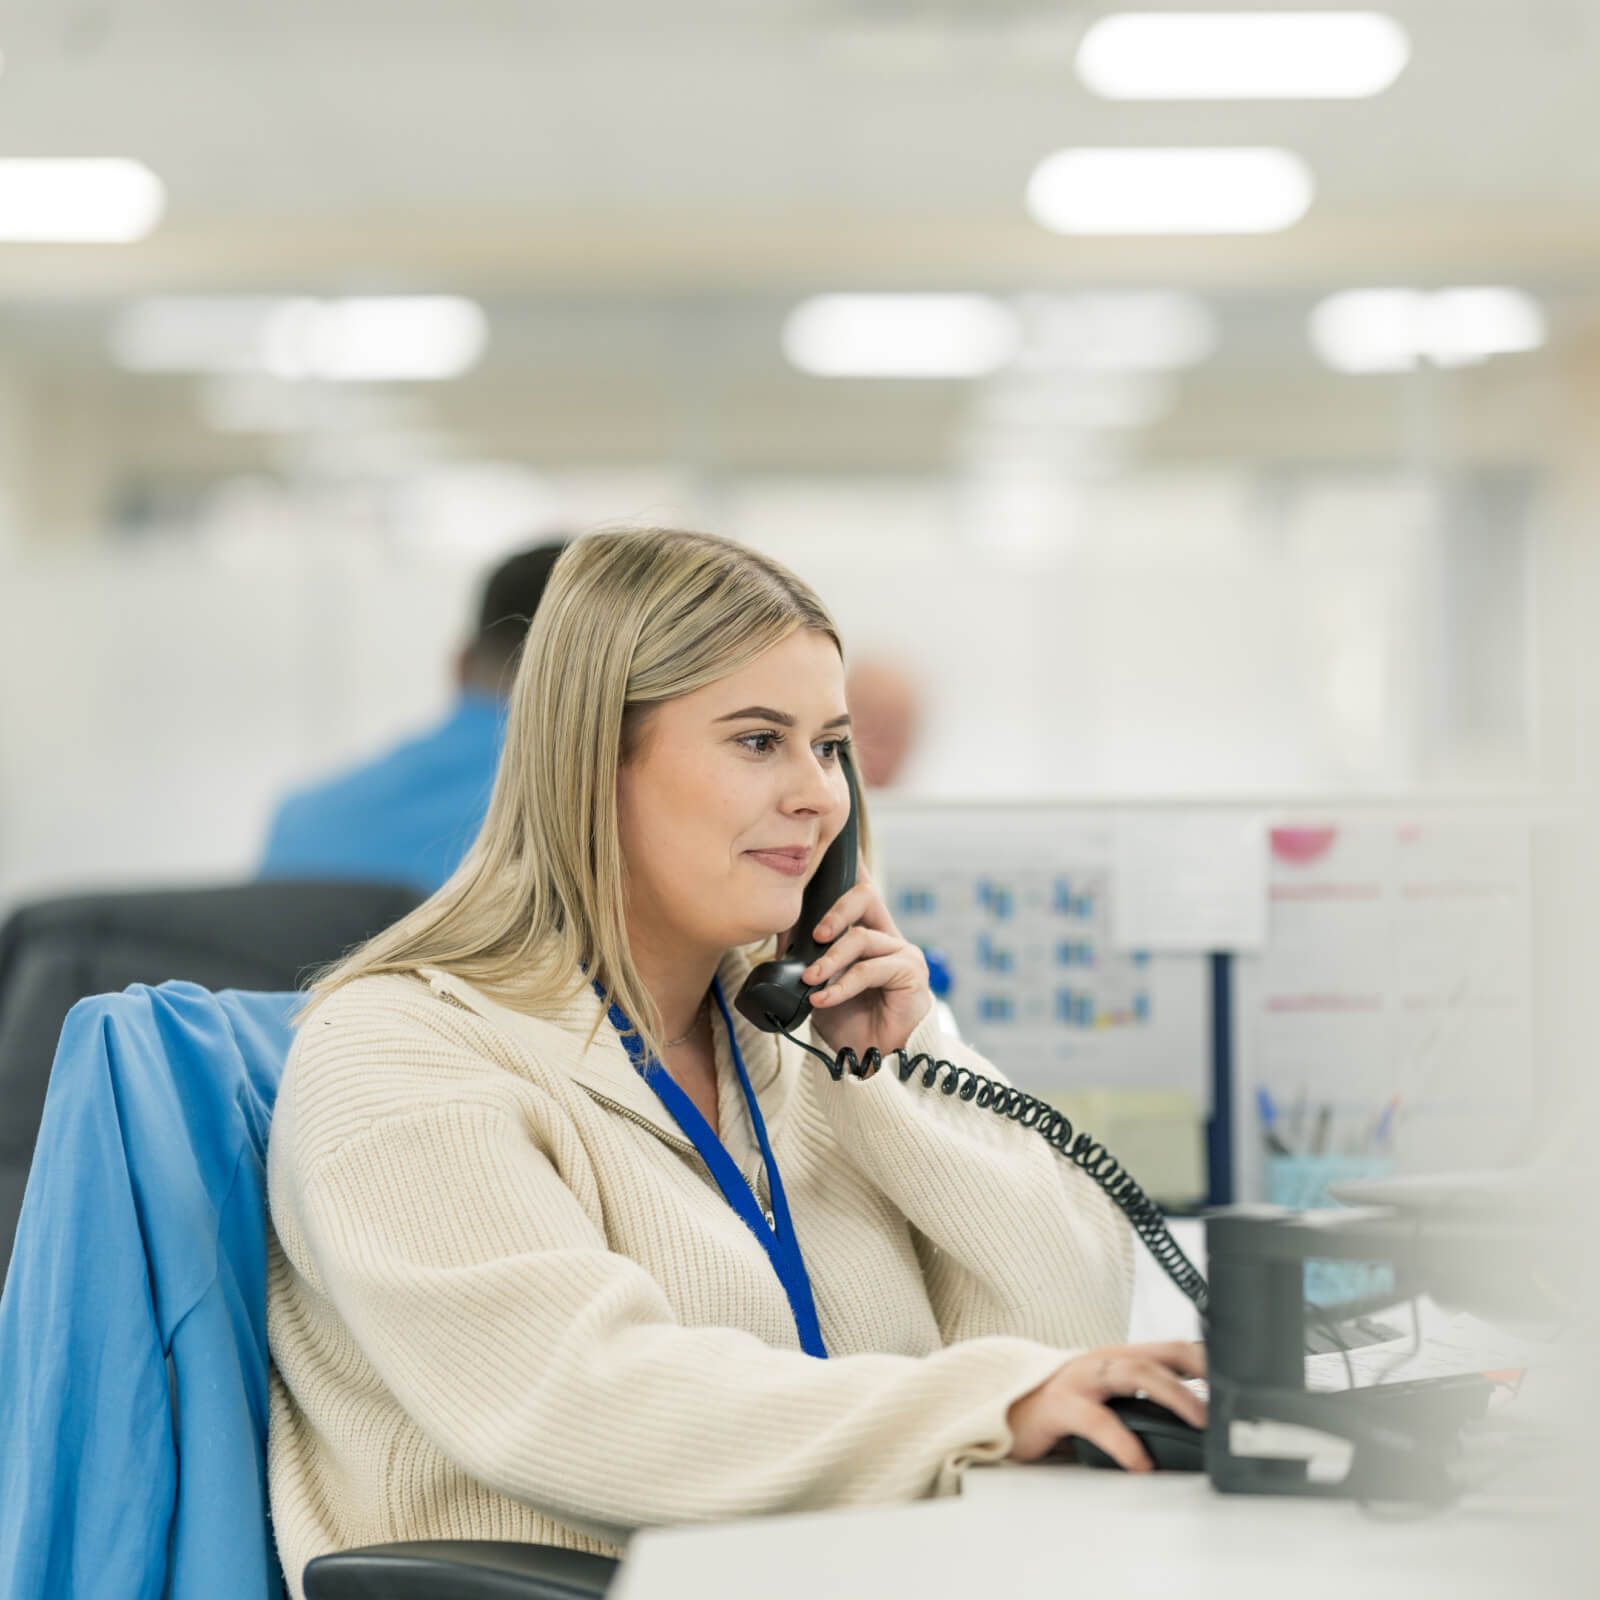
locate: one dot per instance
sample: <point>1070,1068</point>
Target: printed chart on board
<point>1395,973</point>
<point>1019,905</point>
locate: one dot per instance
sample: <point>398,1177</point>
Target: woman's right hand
<point>1072,1400</point>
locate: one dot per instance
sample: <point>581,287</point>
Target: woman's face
<point>732,795</point>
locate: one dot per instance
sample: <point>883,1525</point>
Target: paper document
<point>1451,1343</point>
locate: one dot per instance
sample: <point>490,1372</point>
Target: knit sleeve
<point>553,1370</point>
<point>1013,1239</point>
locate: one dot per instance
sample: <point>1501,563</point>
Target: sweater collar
<point>600,1064</point>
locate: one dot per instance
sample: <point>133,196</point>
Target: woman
<point>509,1298</point>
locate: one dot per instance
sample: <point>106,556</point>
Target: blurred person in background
<point>408,814</point>
<point>886,720</point>
<point>886,708</point>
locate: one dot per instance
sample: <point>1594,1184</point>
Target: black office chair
<point>261,936</point>
<point>459,1570</point>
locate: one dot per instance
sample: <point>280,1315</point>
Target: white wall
<point>151,708</point>
<point>1181,634</point>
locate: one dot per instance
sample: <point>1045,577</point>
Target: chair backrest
<point>133,1322</point>
<point>259,936</point>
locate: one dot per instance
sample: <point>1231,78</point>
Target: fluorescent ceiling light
<point>1137,330</point>
<point>900,335</point>
<point>1243,55</point>
<point>1394,330</point>
<point>78,201</point>
<point>1369,330</point>
<point>377,339</point>
<point>1467,325</point>
<point>1184,190</point>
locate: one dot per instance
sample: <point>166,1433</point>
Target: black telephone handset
<point>778,1000</point>
<point>775,997</point>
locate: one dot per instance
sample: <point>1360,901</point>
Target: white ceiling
<point>637,191</point>
<point>614,147</point>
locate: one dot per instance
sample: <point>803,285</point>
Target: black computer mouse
<point>1170,1442</point>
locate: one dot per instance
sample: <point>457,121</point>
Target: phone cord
<point>1053,1126</point>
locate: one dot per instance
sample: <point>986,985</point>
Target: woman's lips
<point>791,863</point>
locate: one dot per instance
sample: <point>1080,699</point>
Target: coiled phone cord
<point>1052,1125</point>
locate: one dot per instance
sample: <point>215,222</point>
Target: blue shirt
<point>407,816</point>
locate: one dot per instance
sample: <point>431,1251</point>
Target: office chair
<point>245,936</point>
<point>133,1415</point>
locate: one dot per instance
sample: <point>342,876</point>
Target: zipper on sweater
<point>771,1220</point>
<point>644,1122</point>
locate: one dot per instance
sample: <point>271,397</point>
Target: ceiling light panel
<point>900,335</point>
<point>1243,55</point>
<point>1170,191</point>
<point>1396,330</point>
<point>72,201</point>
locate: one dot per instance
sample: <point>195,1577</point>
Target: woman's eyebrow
<point>782,718</point>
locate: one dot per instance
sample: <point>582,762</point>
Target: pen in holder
<point>1300,1182</point>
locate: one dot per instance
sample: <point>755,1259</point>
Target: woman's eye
<point>763,744</point>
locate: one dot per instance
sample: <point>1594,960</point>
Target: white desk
<point>1077,1532</point>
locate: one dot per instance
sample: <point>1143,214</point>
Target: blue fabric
<point>780,1241</point>
<point>141,1258</point>
<point>406,817</point>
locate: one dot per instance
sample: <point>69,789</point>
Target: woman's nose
<point>813,789</point>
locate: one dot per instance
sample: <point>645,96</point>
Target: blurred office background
<point>1271,482</point>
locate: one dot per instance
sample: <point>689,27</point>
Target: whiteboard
<point>1397,968</point>
<point>1019,903</point>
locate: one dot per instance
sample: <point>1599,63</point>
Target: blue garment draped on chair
<point>133,1325</point>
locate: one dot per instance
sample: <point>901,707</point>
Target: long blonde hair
<point>630,618</point>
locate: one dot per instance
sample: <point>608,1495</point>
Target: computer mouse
<point>1170,1442</point>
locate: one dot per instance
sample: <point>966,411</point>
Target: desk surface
<point>1072,1531</point>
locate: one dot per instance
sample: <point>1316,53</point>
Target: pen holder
<point>1301,1184</point>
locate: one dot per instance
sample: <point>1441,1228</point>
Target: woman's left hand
<point>876,981</point>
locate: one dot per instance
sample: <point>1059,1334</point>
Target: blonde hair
<point>630,618</point>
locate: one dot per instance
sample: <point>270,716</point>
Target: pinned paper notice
<point>1190,882</point>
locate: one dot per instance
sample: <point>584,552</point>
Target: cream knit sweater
<point>507,1301</point>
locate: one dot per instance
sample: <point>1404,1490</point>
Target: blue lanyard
<point>779,1241</point>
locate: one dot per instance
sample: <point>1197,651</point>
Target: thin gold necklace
<point>670,1043</point>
